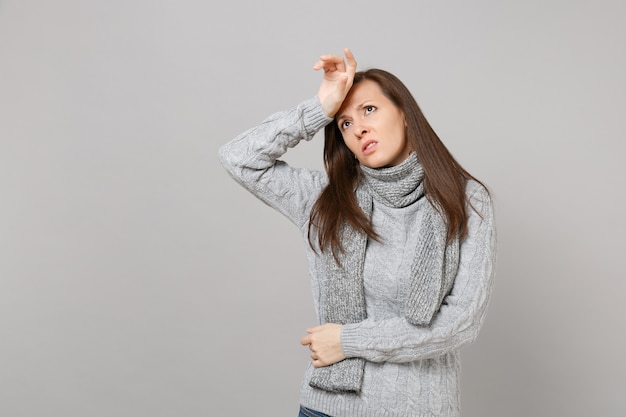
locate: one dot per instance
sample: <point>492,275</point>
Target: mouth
<point>369,147</point>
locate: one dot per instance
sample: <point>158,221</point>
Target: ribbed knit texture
<point>410,371</point>
<point>432,272</point>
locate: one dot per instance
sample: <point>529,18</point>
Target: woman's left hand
<point>325,344</point>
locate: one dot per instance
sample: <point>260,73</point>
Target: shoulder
<point>478,197</point>
<point>474,189</point>
<point>481,222</point>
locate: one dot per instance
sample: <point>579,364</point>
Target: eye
<point>369,109</point>
<point>345,124</point>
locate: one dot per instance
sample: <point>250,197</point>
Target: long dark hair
<point>444,178</point>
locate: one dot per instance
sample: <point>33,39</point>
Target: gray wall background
<point>137,279</point>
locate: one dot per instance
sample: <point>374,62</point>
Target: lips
<point>369,147</point>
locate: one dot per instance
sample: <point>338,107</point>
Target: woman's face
<point>373,127</point>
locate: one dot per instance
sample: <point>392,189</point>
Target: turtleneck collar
<point>397,186</point>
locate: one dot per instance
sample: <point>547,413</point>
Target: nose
<point>360,130</point>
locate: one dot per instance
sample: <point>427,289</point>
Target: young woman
<point>400,244</point>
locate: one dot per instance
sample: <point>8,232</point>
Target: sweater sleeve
<point>458,321</point>
<point>252,160</point>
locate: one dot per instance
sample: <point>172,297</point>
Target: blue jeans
<point>307,412</point>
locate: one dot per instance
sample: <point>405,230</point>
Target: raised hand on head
<point>337,81</point>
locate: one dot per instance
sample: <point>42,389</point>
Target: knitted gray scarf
<point>432,272</point>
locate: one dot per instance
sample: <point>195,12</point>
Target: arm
<point>252,160</point>
<point>460,317</point>
<point>252,157</point>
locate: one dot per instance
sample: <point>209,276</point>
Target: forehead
<point>360,93</point>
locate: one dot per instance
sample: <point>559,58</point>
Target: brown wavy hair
<point>444,178</point>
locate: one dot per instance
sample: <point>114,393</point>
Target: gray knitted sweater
<point>410,371</point>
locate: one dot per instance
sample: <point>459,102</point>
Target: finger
<point>350,58</point>
<point>332,62</point>
<point>318,65</point>
<point>305,341</point>
<point>341,65</point>
<point>331,58</point>
<point>326,67</point>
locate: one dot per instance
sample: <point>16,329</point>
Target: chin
<point>376,165</point>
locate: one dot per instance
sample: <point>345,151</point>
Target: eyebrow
<point>359,106</point>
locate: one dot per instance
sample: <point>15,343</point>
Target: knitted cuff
<point>313,117</point>
<point>350,340</point>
